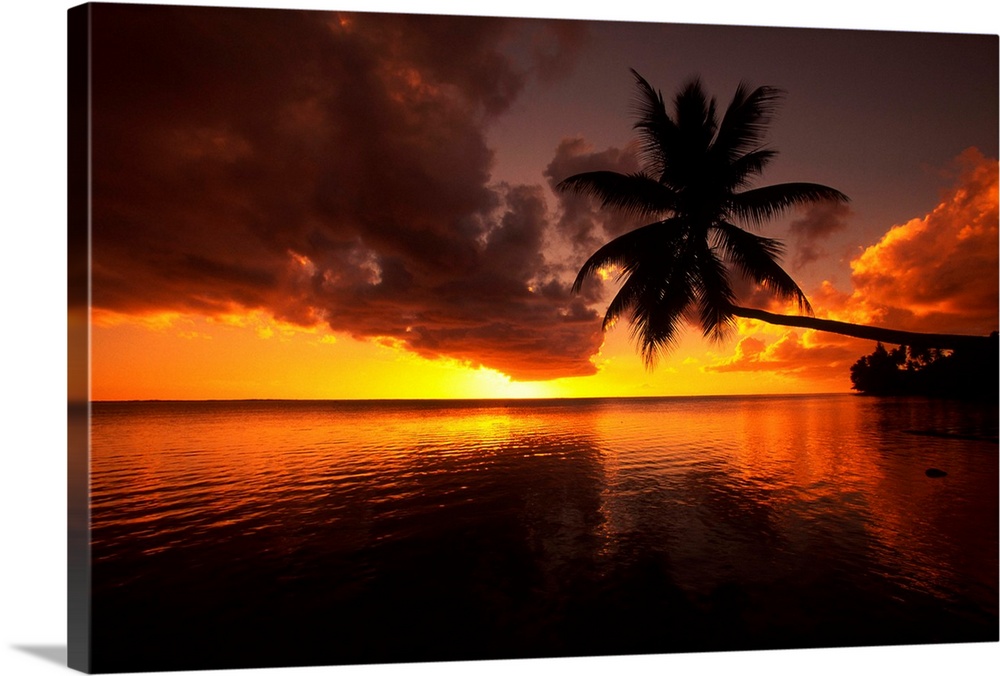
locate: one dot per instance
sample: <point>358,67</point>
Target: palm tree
<point>695,182</point>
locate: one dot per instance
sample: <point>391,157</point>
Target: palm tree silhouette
<point>695,180</point>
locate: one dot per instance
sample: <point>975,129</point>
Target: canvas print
<point>410,338</point>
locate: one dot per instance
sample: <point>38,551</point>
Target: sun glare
<point>173,356</point>
<point>491,384</point>
<point>607,272</point>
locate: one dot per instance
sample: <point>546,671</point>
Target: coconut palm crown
<point>696,186</point>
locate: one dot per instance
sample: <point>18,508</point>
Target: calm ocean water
<point>235,534</point>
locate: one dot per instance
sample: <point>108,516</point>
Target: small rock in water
<point>935,473</point>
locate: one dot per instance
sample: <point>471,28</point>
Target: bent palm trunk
<point>942,341</point>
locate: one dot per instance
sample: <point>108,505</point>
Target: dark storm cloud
<point>582,221</point>
<point>331,168</point>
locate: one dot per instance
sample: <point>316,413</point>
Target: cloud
<point>935,273</point>
<point>818,221</point>
<point>328,169</point>
<point>331,169</point>
<point>582,222</point>
<point>808,355</point>
<point>939,272</point>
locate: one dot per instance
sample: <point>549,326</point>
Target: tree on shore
<point>695,186</point>
<point>953,374</point>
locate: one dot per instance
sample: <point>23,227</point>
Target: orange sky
<point>371,214</point>
<point>192,357</point>
<point>174,355</point>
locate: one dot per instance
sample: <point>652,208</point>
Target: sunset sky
<point>343,205</point>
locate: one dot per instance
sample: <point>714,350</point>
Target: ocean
<point>295,533</point>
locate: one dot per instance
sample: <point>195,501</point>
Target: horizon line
<point>464,399</point>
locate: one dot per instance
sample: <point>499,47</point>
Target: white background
<point>32,326</point>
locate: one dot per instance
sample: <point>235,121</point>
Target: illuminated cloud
<point>939,272</point>
<point>936,273</point>
<point>809,355</point>
<point>328,169</point>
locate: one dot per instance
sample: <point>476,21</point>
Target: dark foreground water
<point>240,534</point>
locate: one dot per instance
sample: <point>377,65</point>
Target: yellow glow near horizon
<point>172,356</point>
<point>254,356</point>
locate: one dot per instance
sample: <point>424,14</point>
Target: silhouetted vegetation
<point>966,373</point>
<point>695,187</point>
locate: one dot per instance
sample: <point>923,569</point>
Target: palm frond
<point>657,132</point>
<point>648,102</point>
<point>626,298</point>
<point>656,288</point>
<point>759,205</point>
<point>744,126</point>
<point>739,173</point>
<point>650,245</point>
<point>756,258</point>
<point>694,115</point>
<point>715,295</point>
<point>632,194</point>
<point>639,282</point>
<point>658,311</point>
